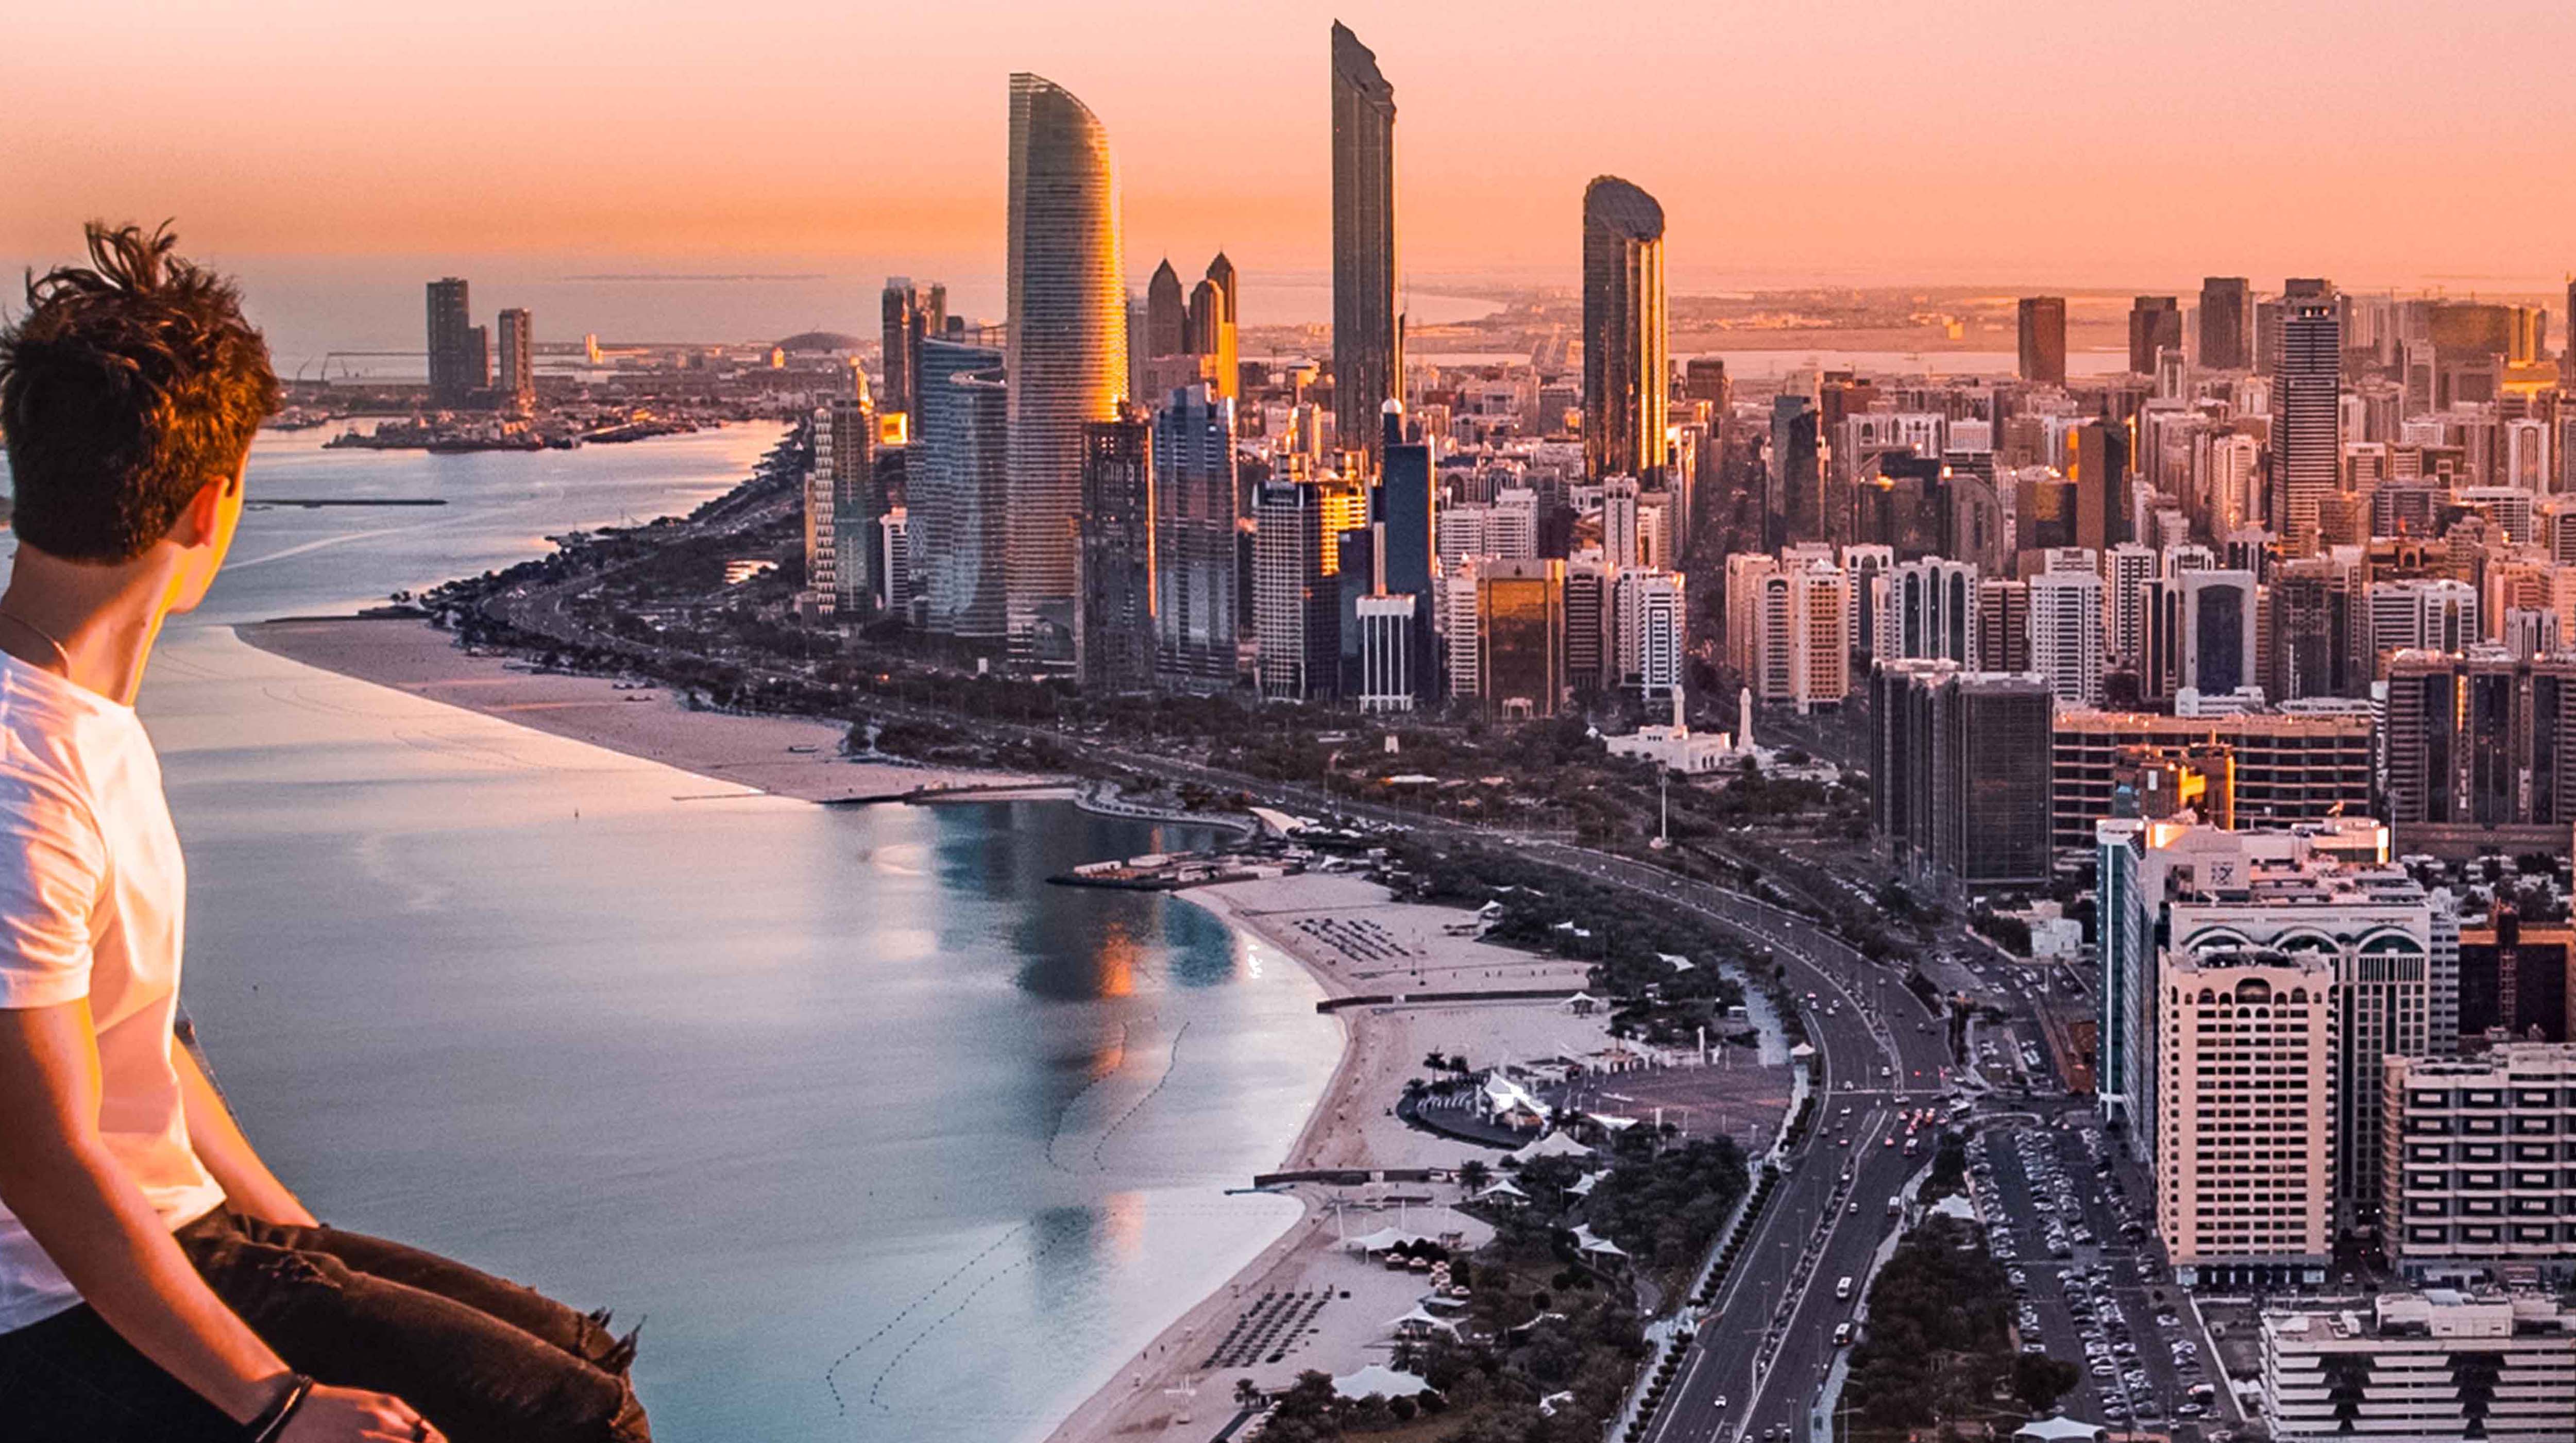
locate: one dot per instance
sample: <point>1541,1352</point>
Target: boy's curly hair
<point>128,385</point>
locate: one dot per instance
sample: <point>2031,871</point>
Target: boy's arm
<point>58,1178</point>
<point>220,1145</point>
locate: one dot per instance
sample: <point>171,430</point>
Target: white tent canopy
<point>1555,1144</point>
<point>1383,1239</point>
<point>1505,1188</point>
<point>1379,1379</point>
<point>2058,1430</point>
<point>1422,1318</point>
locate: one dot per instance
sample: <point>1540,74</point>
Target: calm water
<point>885,1137</point>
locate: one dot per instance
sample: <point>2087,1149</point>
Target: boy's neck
<point>91,624</point>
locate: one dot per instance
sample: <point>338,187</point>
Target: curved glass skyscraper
<point>1625,358</point>
<point>1067,355</point>
<point>1368,297</point>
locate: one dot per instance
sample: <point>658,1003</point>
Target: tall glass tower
<point>1067,356</point>
<point>1368,296</point>
<point>2307,430</point>
<point>1625,360</point>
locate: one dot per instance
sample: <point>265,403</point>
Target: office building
<point>1520,625</point>
<point>2432,1367</point>
<point>2481,752</point>
<point>456,366</point>
<point>1626,368</point>
<point>958,469</point>
<point>2476,1180</point>
<point>2244,1159</point>
<point>2226,320</point>
<point>2127,570</point>
<point>2281,770</point>
<point>518,359</point>
<point>2517,982</point>
<point>1213,327</point>
<point>1067,356</point>
<point>2320,630</point>
<point>2219,638</point>
<point>842,504</point>
<point>2066,624</point>
<point>1960,790</point>
<point>1196,511</point>
<point>1929,613</point>
<point>1368,301</point>
<point>1390,654</point>
<point>2043,339</point>
<point>2307,435</point>
<point>894,563</point>
<point>2098,466</point>
<point>1114,634</point>
<point>1794,508</point>
<point>1167,314</point>
<point>1296,583</point>
<point>1403,512</point>
<point>2155,326</point>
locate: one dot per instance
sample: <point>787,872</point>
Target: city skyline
<point>1494,132</point>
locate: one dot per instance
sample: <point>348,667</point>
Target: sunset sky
<point>2024,142</point>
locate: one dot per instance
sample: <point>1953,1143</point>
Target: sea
<point>876,1134</point>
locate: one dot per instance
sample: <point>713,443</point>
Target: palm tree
<point>1473,1174</point>
<point>1247,1395</point>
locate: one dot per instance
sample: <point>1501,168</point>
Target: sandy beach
<point>784,756</point>
<point>1354,939</point>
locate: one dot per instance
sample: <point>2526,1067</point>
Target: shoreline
<point>795,757</point>
<point>1379,1051</point>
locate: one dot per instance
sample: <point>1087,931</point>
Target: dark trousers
<point>485,1360</point>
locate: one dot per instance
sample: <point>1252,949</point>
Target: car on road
<point>1720,1405</point>
<point>1843,1290</point>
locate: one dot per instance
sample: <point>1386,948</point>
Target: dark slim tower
<point>451,326</point>
<point>2155,324</point>
<point>2307,441</point>
<point>2043,339</point>
<point>1196,612</point>
<point>2100,464</point>
<point>1166,314</point>
<point>2226,310</point>
<point>1224,355</point>
<point>1368,303</point>
<point>1625,363</point>
<point>1114,610</point>
<point>518,375</point>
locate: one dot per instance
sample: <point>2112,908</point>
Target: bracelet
<point>273,1419</point>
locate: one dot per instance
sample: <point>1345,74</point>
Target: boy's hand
<point>353,1415</point>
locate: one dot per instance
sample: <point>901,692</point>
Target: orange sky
<point>2067,142</point>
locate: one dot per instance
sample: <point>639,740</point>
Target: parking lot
<point>2072,1248</point>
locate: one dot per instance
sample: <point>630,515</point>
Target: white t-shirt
<point>93,898</point>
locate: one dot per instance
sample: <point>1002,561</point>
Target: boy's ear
<point>199,520</point>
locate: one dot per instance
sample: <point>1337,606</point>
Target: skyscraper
<point>1368,298</point>
<point>1114,615</point>
<point>1195,507</point>
<point>2043,339</point>
<point>958,487</point>
<point>518,378</point>
<point>910,315</point>
<point>1166,313</point>
<point>2226,306</point>
<point>2307,442</point>
<point>454,371</point>
<point>2098,465</point>
<point>2155,324</point>
<point>1625,364</point>
<point>1067,357</point>
<point>1217,330</point>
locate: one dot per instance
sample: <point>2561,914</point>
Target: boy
<point>157,1282</point>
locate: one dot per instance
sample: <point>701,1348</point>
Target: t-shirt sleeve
<point>53,865</point>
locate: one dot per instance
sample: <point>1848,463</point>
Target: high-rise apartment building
<point>518,357</point>
<point>1196,508</point>
<point>1067,355</point>
<point>2431,1367</point>
<point>2155,325</point>
<point>2281,770</point>
<point>2066,634</point>
<point>958,483</point>
<point>2127,568</point>
<point>842,504</point>
<point>1626,365</point>
<point>1929,613</point>
<point>1651,620</point>
<point>456,368</point>
<point>1296,589</point>
<point>2307,437</point>
<point>2226,321</point>
<point>2244,1134</point>
<point>2042,323</point>
<point>2003,625</point>
<point>1368,298</point>
<point>1114,634</point>
<point>1799,617</point>
<point>2476,1180</point>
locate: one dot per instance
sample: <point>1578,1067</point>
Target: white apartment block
<point>2425,615</point>
<point>1802,638</point>
<point>2245,1104</point>
<point>1506,530</point>
<point>822,579</point>
<point>2432,1367</point>
<point>2126,570</point>
<point>2066,643</point>
<point>1652,616</point>
<point>2481,1161</point>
